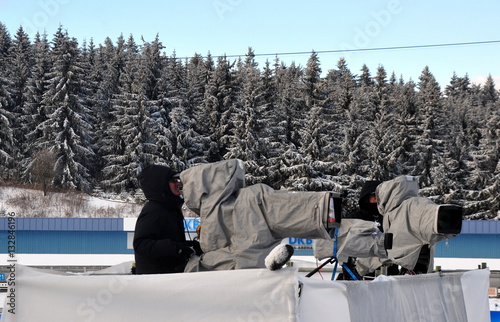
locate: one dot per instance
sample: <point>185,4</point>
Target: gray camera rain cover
<point>240,225</point>
<point>356,238</point>
<point>411,219</point>
<point>360,238</point>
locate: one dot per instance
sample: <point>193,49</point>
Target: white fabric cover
<point>241,225</point>
<point>408,299</point>
<point>246,295</point>
<point>243,295</point>
<point>452,297</point>
<point>323,300</point>
<point>474,283</point>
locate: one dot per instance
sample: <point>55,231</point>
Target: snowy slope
<point>32,203</point>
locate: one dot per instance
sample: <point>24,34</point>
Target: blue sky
<point>288,26</point>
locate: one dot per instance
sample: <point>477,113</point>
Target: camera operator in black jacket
<point>367,211</point>
<point>160,245</point>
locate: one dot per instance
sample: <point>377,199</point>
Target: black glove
<point>185,251</point>
<point>196,246</point>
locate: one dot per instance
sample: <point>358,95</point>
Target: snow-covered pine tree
<point>382,141</point>
<point>19,71</point>
<point>248,121</point>
<point>7,141</point>
<point>67,129</point>
<point>365,78</point>
<point>381,89</point>
<point>132,143</point>
<point>484,165</point>
<point>197,76</point>
<point>147,85</point>
<point>342,84</point>
<point>489,93</point>
<point>492,150</point>
<point>131,56</point>
<point>92,79</point>
<point>305,115</point>
<point>429,108</point>
<point>491,106</point>
<point>109,65</point>
<point>189,140</point>
<point>35,111</point>
<point>5,44</point>
<point>318,140</point>
<point>359,119</point>
<point>175,116</point>
<point>346,130</point>
<point>287,109</point>
<point>403,99</point>
<point>114,174</point>
<point>133,137</point>
<point>21,62</point>
<point>269,131</point>
<point>468,118</point>
<point>7,118</point>
<point>149,69</point>
<point>181,134</point>
<point>212,117</point>
<point>452,168</point>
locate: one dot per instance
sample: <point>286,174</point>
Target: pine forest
<point>89,117</point>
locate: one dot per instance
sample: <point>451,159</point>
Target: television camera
<point>411,224</point>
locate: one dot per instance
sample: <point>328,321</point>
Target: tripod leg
<point>331,260</point>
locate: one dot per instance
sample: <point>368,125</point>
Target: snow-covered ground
<point>32,203</point>
<point>466,263</point>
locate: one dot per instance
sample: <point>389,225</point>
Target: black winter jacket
<point>159,231</point>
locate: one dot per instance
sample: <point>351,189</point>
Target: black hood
<point>154,183</point>
<point>367,189</point>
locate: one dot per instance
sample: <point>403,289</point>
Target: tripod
<point>334,260</point>
<point>331,260</point>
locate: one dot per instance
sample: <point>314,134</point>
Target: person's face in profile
<point>175,186</point>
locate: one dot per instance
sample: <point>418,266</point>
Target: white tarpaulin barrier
<point>244,295</point>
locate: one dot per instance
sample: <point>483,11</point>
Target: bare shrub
<point>42,169</point>
<point>71,204</point>
<point>25,202</point>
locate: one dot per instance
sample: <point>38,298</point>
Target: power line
<point>366,49</point>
